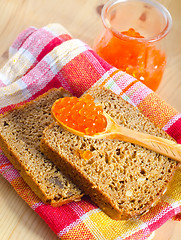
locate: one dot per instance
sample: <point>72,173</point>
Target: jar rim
<point>158,6</point>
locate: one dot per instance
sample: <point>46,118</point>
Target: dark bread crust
<point>132,168</point>
<point>19,162</point>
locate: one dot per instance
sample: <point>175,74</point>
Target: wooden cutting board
<point>82,19</point>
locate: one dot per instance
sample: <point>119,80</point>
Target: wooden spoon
<point>114,131</point>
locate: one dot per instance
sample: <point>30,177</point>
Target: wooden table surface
<point>82,19</point>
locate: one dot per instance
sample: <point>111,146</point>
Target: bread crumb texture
<point>20,133</point>
<point>119,176</point>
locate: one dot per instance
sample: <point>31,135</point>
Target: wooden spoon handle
<point>165,147</point>
<point>160,145</point>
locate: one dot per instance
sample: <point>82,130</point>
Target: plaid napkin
<point>48,57</point>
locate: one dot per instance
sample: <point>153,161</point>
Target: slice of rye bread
<point>21,130</point>
<point>123,179</point>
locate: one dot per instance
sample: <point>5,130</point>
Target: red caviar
<point>87,155</point>
<point>80,114</point>
<point>141,59</point>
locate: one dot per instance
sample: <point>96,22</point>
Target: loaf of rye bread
<point>21,130</point>
<point>123,179</point>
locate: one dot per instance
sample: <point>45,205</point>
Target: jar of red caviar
<point>132,39</point>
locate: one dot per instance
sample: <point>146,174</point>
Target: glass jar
<point>132,38</point>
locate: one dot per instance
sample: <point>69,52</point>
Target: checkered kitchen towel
<point>48,57</point>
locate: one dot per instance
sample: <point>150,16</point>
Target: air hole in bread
<point>5,124</point>
<point>118,151</point>
<point>107,158</point>
<point>121,182</point>
<point>92,148</point>
<point>143,171</point>
<point>83,145</point>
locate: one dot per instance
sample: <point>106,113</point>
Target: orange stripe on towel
<point>109,77</point>
<point>129,86</point>
<point>25,191</point>
<point>156,109</point>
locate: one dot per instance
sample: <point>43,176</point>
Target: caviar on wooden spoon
<point>82,117</point>
<point>80,114</point>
